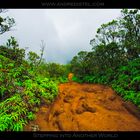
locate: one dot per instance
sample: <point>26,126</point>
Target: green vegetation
<point>115,57</point>
<point>27,83</point>
<point>24,87</point>
<point>21,93</point>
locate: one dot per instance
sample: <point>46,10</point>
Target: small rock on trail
<point>87,107</point>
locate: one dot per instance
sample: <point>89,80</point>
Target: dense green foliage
<point>21,93</point>
<point>19,108</point>
<point>115,57</point>
<point>25,83</point>
<point>54,71</point>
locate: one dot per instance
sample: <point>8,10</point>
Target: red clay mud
<point>86,107</point>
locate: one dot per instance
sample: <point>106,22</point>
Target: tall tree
<point>130,24</point>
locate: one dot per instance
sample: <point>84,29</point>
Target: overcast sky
<point>65,31</point>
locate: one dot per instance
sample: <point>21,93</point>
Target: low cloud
<point>65,31</point>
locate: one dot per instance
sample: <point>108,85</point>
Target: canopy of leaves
<point>115,55</point>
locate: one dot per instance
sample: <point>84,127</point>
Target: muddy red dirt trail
<point>86,107</point>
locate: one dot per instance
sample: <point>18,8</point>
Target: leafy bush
<point>17,110</point>
<point>24,83</point>
<point>13,113</point>
<point>115,57</point>
<point>21,92</point>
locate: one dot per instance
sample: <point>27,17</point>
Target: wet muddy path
<point>86,107</point>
